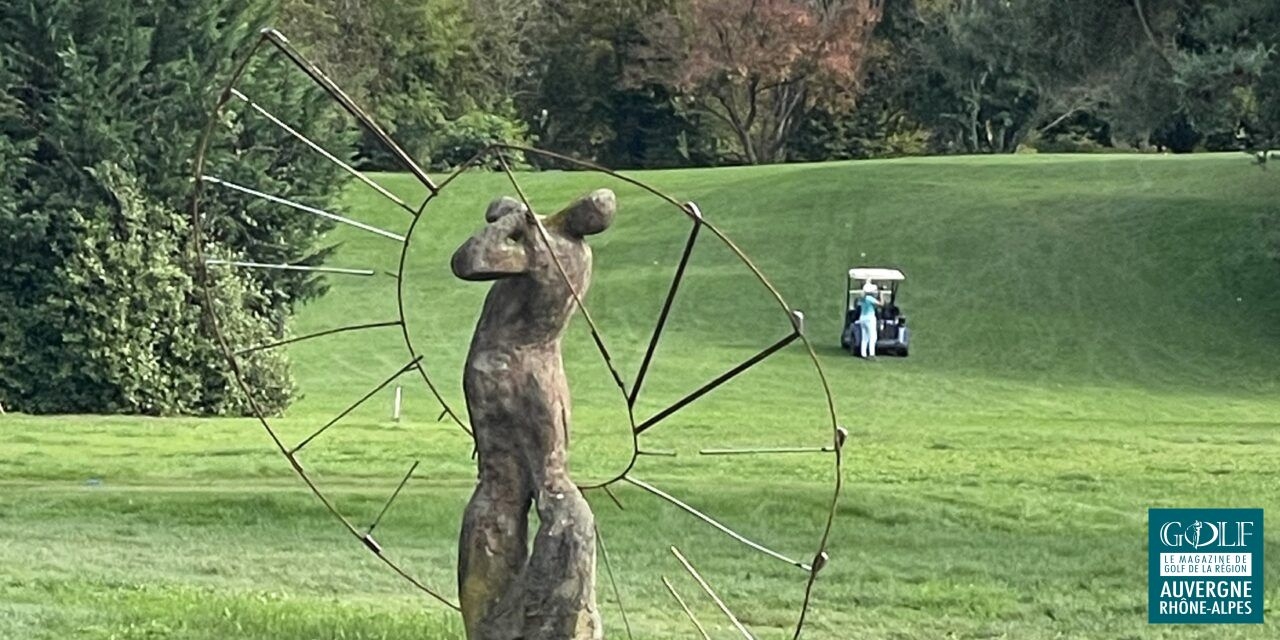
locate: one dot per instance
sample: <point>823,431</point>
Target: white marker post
<point>395,407</point>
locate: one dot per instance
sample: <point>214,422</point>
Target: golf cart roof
<point>862,274</point>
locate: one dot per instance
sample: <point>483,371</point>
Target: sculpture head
<point>510,244</point>
<point>531,299</point>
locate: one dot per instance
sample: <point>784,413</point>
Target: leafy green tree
<point>103,104</point>
<point>427,70</point>
<point>1227,68</point>
<point>994,75</point>
<point>594,92</point>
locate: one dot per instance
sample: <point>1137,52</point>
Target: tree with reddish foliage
<point>759,65</point>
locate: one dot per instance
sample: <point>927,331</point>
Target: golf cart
<point>894,336</point>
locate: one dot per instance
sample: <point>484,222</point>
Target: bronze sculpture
<point>518,400</point>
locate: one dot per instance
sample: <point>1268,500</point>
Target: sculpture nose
<point>496,251</point>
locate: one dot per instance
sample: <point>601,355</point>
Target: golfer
<point>867,320</point>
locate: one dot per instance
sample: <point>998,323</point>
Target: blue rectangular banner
<point>1204,566</point>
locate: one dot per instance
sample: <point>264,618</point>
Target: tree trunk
<point>741,130</point>
<point>975,112</point>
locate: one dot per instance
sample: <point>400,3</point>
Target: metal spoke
<point>723,378</point>
<point>281,43</point>
<point>357,403</point>
<point>842,435</point>
<point>435,391</point>
<point>736,452</point>
<point>577,297</point>
<point>616,501</point>
<point>604,553</point>
<point>687,611</point>
<point>290,267</point>
<point>321,150</point>
<point>328,505</point>
<point>302,207</point>
<point>715,523</point>
<point>666,305</point>
<point>319,334</point>
<point>711,592</point>
<point>395,494</point>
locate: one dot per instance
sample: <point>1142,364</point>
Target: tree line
<point>660,83</point>
<point>102,104</point>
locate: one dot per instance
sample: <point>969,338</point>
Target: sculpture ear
<point>590,214</point>
<point>501,207</point>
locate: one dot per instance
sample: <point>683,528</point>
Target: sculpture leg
<point>491,555</point>
<point>559,583</point>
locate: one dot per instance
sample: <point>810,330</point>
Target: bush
<point>123,332</point>
<point>457,141</point>
<point>102,105</point>
<point>1069,142</point>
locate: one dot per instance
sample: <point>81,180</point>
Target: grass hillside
<point>1119,275</point>
<point>1094,335</point>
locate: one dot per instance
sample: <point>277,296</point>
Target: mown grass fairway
<point>1095,336</point>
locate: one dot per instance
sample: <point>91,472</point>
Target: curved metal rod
<point>404,323</point>
<point>584,164</point>
<point>838,438</point>
<point>595,331</point>
<point>211,317</point>
<point>474,160</point>
<point>400,303</point>
<point>813,354</point>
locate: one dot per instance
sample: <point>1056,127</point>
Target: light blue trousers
<point>870,332</point>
